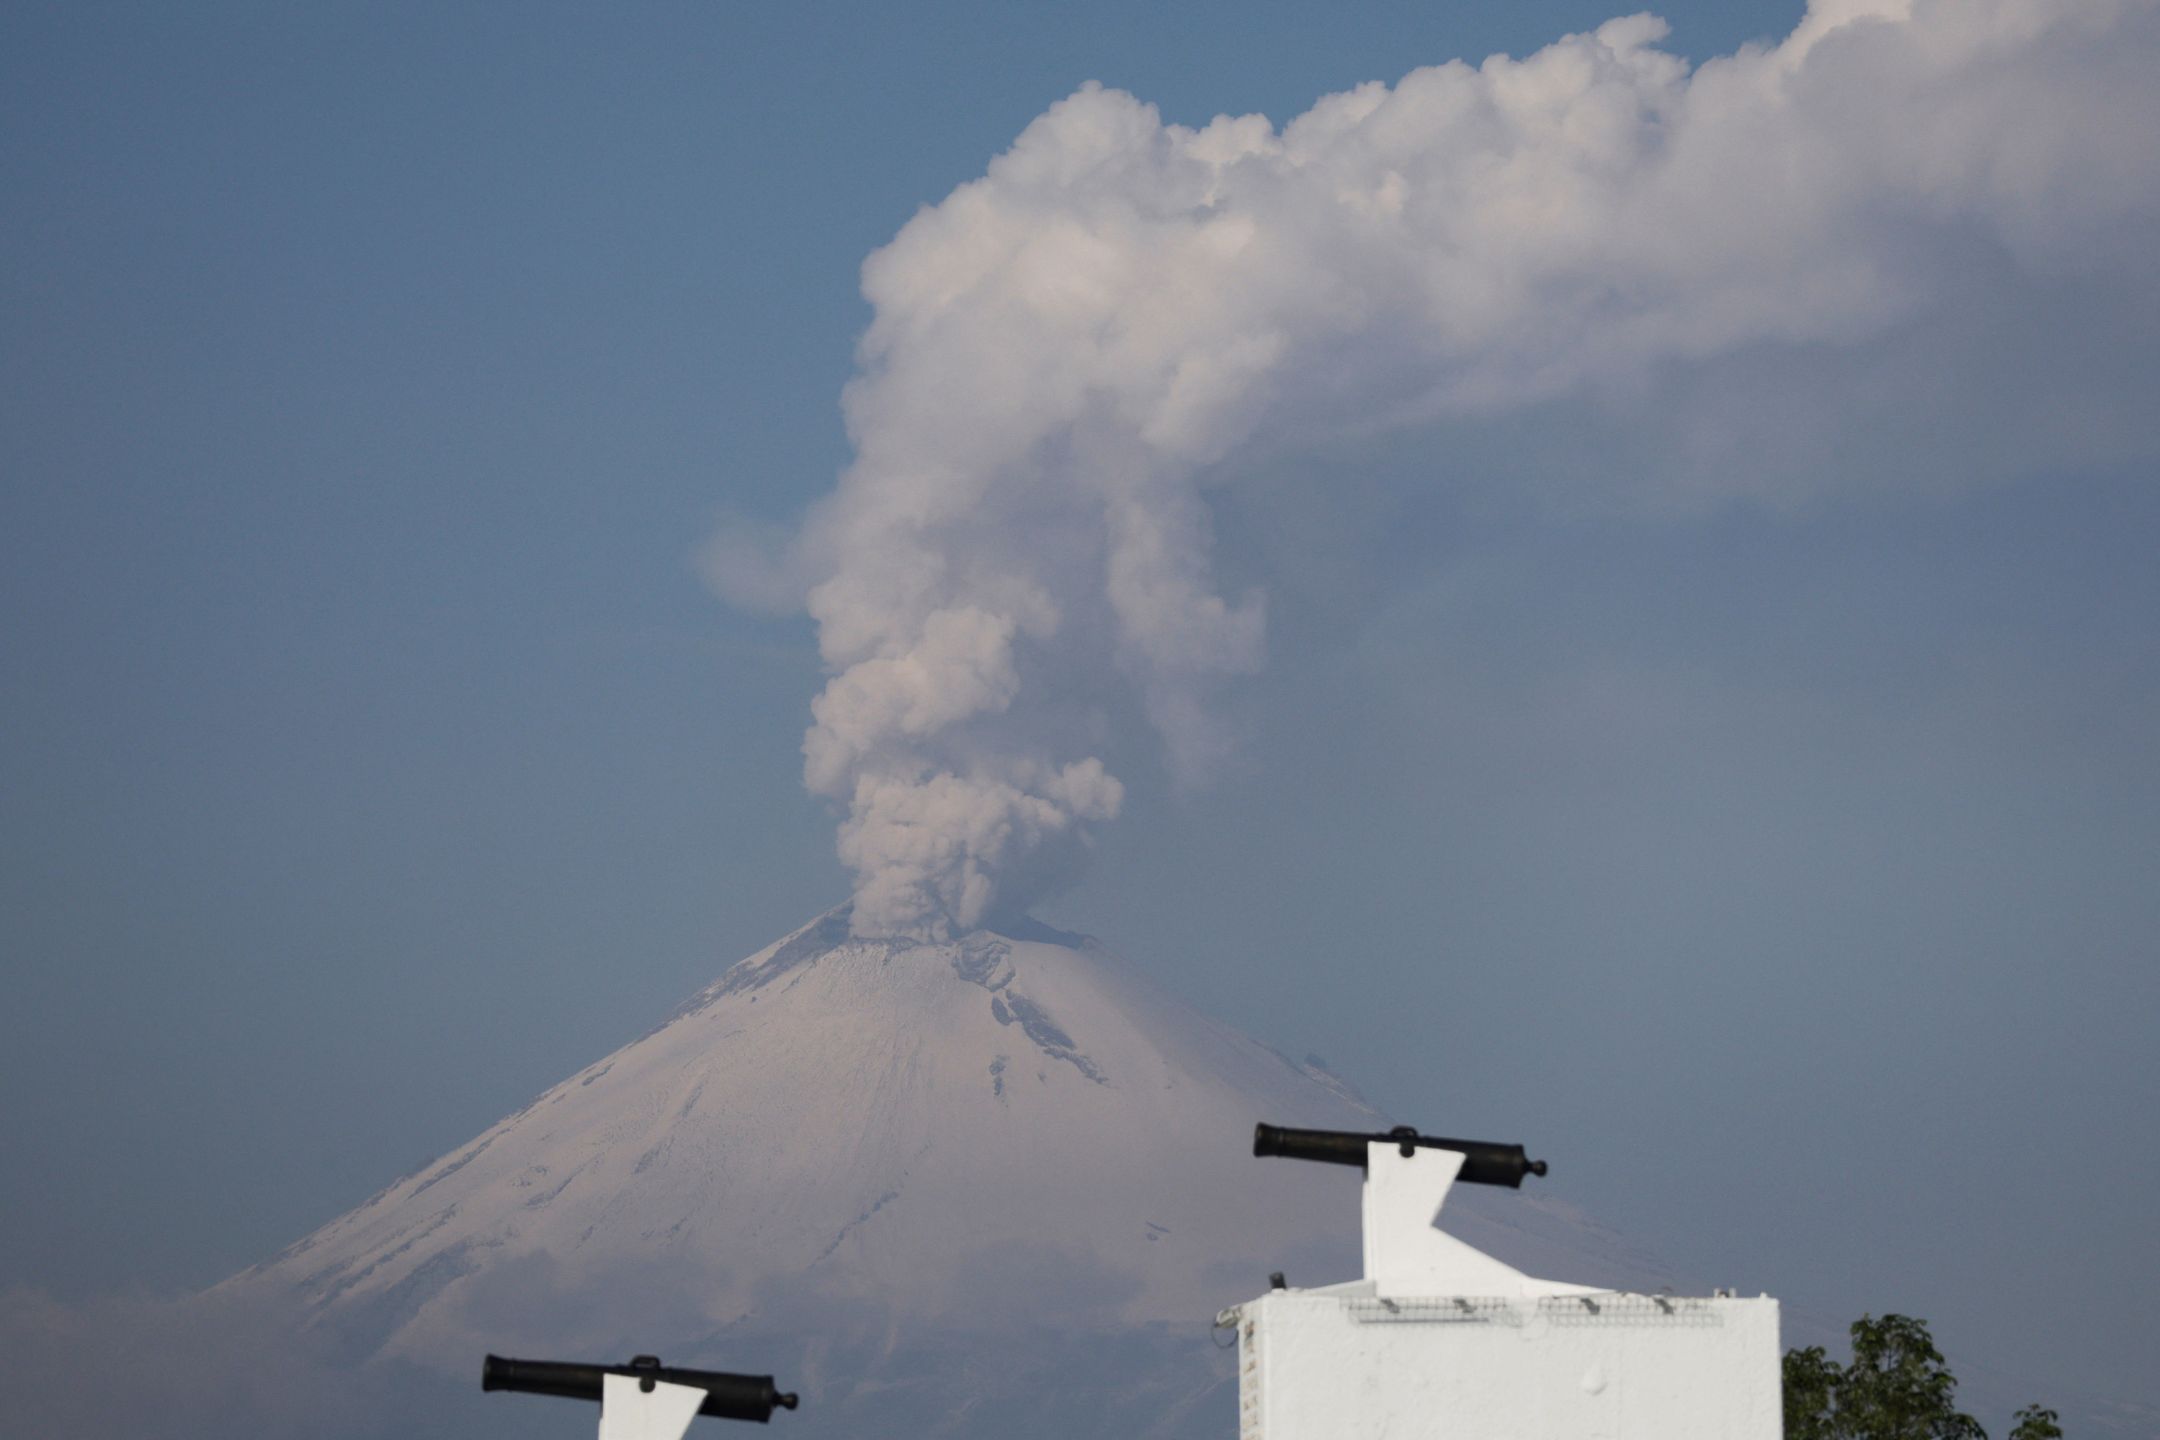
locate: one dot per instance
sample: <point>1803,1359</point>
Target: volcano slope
<point>993,1186</point>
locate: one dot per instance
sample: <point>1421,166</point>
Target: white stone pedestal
<point>1440,1341</point>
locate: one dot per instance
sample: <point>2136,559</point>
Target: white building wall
<point>1327,1365</point>
<point>1440,1341</point>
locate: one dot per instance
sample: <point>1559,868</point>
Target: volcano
<point>948,1180</point>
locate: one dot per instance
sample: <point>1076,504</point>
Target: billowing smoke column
<point>1068,351</point>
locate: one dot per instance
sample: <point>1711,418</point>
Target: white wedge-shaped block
<point>629,1411</point>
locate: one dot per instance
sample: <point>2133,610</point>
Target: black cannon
<point>729,1397</point>
<point>1484,1163</point>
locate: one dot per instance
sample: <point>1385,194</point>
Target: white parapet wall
<point>1326,1365</point>
<point>1442,1342</point>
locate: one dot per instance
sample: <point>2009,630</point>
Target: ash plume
<point>1069,351</point>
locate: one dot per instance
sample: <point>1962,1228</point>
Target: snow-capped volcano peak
<point>938,1132</point>
<point>873,1119</point>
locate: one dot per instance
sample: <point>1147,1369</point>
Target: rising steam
<point>1067,350</point>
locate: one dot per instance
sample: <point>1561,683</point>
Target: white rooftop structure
<point>1441,1340</point>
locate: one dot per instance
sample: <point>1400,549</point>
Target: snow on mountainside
<point>1003,1124</point>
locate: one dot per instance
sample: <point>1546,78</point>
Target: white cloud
<point>1067,350</point>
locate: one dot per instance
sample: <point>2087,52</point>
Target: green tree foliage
<point>1896,1387</point>
<point>2034,1423</point>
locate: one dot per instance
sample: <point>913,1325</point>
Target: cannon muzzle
<point>729,1397</point>
<point>1484,1163</point>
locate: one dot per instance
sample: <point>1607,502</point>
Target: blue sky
<point>1775,856</point>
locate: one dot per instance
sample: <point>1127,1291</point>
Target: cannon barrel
<point>1484,1162</point>
<point>729,1397</point>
